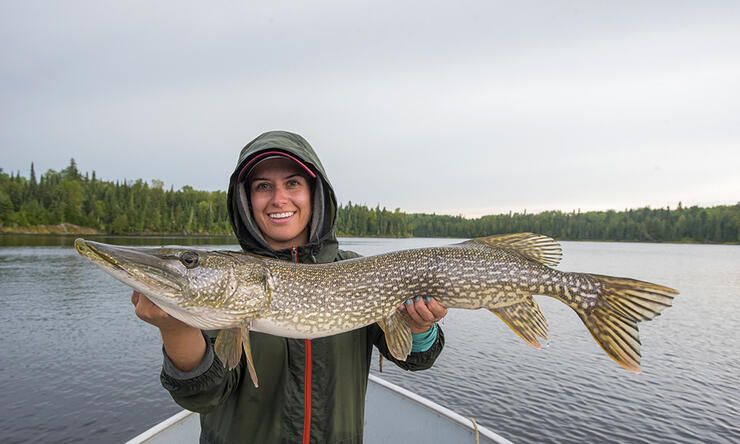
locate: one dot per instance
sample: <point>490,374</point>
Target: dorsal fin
<point>536,247</point>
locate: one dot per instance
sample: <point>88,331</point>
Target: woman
<point>281,205</point>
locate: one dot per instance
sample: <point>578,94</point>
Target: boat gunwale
<point>161,427</point>
<point>439,410</point>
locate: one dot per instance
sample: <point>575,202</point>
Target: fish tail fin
<point>620,305</point>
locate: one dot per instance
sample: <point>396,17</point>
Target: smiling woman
<point>280,198</point>
<point>311,389</point>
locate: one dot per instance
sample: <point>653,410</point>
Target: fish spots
<point>345,295</point>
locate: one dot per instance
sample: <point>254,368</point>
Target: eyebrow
<point>253,179</point>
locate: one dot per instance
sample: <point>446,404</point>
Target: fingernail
<point>416,299</point>
<point>408,301</point>
<point>402,309</point>
<point>427,298</point>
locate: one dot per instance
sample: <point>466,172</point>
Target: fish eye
<point>189,259</point>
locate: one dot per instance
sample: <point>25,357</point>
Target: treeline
<point>125,207</point>
<point>67,196</point>
<point>719,224</point>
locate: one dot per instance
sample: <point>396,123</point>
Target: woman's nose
<point>280,196</point>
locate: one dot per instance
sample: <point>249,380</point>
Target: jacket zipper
<point>306,381</point>
<point>307,394</point>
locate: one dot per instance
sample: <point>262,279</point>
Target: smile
<point>281,215</point>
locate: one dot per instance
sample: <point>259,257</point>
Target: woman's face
<point>281,202</point>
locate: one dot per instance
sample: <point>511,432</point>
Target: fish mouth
<point>141,268</point>
<point>87,249</point>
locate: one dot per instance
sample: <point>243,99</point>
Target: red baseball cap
<point>271,155</point>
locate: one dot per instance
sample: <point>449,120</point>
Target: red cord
<point>306,382</point>
<point>307,400</point>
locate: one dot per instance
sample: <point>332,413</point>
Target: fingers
<point>438,310</point>
<point>426,309</point>
<point>142,306</point>
<point>422,313</point>
<point>148,312</point>
<point>418,310</point>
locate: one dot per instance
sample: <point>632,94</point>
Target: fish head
<point>204,289</point>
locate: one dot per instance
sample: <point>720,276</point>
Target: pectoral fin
<point>229,345</point>
<point>526,319</point>
<point>248,353</point>
<point>397,335</point>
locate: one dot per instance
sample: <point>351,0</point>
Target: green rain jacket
<point>310,390</point>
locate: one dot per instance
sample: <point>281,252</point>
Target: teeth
<point>281,215</point>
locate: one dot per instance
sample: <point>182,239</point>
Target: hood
<point>322,244</point>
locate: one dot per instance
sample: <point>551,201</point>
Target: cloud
<point>453,108</point>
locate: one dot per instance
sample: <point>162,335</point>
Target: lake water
<point>76,364</point>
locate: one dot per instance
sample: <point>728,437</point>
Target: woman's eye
<point>262,186</point>
<point>295,183</point>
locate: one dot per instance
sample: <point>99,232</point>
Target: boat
<point>422,421</point>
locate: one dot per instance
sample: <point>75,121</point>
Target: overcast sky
<point>464,107</point>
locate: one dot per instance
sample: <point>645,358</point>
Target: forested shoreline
<point>138,207</point>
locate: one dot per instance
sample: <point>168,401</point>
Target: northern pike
<point>237,292</point>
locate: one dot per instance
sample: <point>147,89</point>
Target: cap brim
<point>269,155</point>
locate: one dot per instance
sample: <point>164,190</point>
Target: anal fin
<point>526,319</point>
<point>397,335</point>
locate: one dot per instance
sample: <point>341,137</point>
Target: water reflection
<point>77,365</point>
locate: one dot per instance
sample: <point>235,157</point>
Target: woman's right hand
<point>147,311</point>
<point>183,344</point>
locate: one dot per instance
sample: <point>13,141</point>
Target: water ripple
<point>78,366</point>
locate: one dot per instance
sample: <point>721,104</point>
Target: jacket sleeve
<point>205,388</point>
<point>415,360</point>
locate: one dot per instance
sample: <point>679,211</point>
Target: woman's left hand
<point>422,313</point>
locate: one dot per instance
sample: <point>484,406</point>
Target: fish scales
<point>316,299</point>
<point>367,288</point>
<point>238,291</point>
